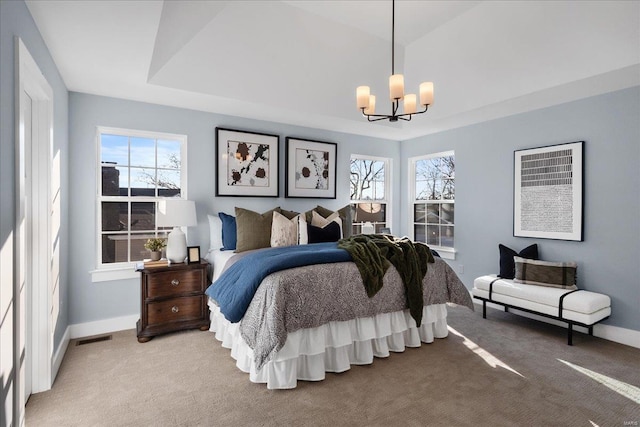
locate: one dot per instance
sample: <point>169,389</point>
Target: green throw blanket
<point>374,253</point>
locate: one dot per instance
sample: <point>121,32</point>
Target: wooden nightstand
<point>172,299</point>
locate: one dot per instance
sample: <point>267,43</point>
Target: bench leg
<point>484,309</point>
<point>570,336</point>
<point>506,309</point>
<point>591,330</point>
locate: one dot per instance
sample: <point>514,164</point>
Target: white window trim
<point>126,270</point>
<point>445,253</point>
<point>387,185</point>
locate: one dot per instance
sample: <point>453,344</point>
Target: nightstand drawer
<point>170,283</point>
<point>175,310</point>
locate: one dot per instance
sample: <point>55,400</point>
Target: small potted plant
<point>155,246</point>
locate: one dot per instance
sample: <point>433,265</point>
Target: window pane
<point>422,190</point>
<point>373,212</point>
<point>356,229</point>
<point>433,235</point>
<point>379,227</point>
<point>168,182</point>
<point>143,152</point>
<point>419,212</point>
<point>114,216</point>
<point>419,233</point>
<point>446,236</point>
<point>115,248</point>
<point>143,216</point>
<point>114,149</point>
<point>433,213</point>
<point>367,179</point>
<point>138,251</point>
<point>448,189</point>
<point>115,180</point>
<point>143,182</point>
<point>447,213</point>
<point>169,154</point>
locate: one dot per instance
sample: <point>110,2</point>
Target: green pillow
<point>253,229</point>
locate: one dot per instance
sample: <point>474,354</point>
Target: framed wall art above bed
<point>246,163</point>
<point>310,169</point>
<point>548,189</point>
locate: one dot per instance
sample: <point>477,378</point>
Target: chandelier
<point>367,102</point>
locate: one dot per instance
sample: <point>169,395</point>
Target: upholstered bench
<point>575,307</point>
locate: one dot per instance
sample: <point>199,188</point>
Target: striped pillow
<point>545,273</point>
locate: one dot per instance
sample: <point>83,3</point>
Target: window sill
<point>122,273</point>
<point>445,253</point>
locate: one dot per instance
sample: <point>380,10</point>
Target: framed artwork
<point>310,169</point>
<point>246,163</point>
<point>193,254</point>
<point>548,192</point>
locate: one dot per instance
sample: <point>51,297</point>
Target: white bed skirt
<point>333,347</point>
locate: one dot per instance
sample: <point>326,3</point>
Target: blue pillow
<point>508,265</point>
<point>229,232</point>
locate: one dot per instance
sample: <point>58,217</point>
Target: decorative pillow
<point>345,216</point>
<point>507,265</point>
<point>229,233</point>
<point>288,214</point>
<point>318,221</point>
<point>284,231</point>
<point>328,233</point>
<point>303,235</point>
<point>215,232</point>
<point>546,273</point>
<point>254,229</point>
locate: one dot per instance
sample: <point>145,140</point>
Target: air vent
<point>94,339</point>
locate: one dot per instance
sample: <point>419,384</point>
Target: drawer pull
<point>175,282</point>
<point>175,309</point>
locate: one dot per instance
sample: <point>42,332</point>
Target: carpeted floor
<point>503,371</point>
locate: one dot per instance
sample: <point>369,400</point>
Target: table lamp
<point>176,213</point>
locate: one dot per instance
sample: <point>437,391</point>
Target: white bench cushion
<point>582,306</point>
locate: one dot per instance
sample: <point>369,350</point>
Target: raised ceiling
<point>299,62</point>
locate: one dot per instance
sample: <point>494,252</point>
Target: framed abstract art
<point>246,163</point>
<point>310,169</point>
<point>548,192</point>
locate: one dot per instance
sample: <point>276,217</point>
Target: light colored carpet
<point>503,371</point>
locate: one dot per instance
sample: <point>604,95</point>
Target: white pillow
<point>215,232</point>
<point>284,231</point>
<point>303,234</point>
<point>318,220</point>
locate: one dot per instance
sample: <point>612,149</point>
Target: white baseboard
<point>59,355</point>
<point>617,334</point>
<point>80,330</point>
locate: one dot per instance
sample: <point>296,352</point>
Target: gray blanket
<point>307,297</point>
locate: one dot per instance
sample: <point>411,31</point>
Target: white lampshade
<point>372,105</point>
<point>176,213</point>
<point>426,93</point>
<point>409,103</point>
<point>396,86</point>
<point>362,96</point>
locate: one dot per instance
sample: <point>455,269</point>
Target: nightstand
<point>172,299</point>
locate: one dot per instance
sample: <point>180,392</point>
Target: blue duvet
<point>234,289</point>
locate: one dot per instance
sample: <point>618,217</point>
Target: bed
<point>311,319</point>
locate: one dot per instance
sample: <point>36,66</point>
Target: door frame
<point>38,255</point>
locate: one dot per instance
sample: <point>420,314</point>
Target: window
<point>136,169</point>
<point>433,202</point>
<point>369,189</point>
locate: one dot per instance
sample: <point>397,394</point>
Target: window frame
<point>387,186</point>
<point>445,252</point>
<point>120,270</point>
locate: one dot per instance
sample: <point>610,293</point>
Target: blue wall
<point>104,300</point>
<point>608,258</point>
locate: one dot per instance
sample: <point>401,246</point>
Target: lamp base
<point>176,246</point>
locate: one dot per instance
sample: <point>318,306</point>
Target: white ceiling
<point>299,62</point>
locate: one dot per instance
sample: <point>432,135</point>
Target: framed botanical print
<point>548,192</point>
<point>246,163</point>
<point>310,169</point>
